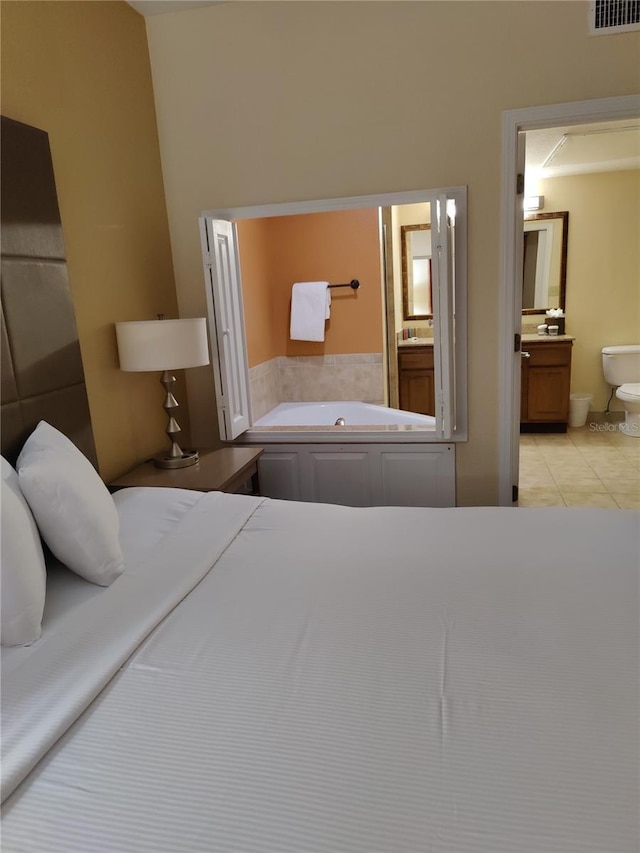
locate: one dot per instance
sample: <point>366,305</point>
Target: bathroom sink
<point>415,342</point>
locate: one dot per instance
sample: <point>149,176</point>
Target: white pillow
<point>71,505</point>
<point>23,577</point>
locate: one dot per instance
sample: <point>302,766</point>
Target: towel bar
<point>354,283</point>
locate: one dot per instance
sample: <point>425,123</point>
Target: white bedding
<point>342,680</point>
<point>93,630</point>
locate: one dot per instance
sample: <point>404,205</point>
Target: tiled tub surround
<point>306,379</point>
<point>264,387</point>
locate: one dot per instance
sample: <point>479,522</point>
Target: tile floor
<point>594,465</point>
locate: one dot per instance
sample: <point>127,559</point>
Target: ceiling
<point>579,149</point>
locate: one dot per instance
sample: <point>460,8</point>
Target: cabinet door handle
<point>525,354</point>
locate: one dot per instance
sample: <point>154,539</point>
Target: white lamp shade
<point>162,344</point>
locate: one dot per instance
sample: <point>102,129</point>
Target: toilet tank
<point>621,364</point>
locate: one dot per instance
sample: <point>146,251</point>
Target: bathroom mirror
<point>416,272</point>
<point>544,277</point>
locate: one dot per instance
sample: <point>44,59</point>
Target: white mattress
<point>348,680</point>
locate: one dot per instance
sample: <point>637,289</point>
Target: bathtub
<point>354,414</point>
<point>380,457</point>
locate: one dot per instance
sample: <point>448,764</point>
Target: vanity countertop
<point>526,339</point>
<point>416,342</point>
<point>529,339</point>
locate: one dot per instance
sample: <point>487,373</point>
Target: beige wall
<point>81,72</point>
<point>603,269</point>
<point>272,102</point>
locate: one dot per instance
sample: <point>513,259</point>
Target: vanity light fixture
<point>165,345</point>
<point>533,202</point>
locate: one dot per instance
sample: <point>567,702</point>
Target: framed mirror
<point>417,301</point>
<point>544,273</point>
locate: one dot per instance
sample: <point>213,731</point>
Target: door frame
<point>513,123</point>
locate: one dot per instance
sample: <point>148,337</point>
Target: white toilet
<point>621,366</point>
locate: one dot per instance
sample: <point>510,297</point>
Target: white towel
<point>310,308</point>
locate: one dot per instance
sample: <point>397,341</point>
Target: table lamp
<point>165,345</point>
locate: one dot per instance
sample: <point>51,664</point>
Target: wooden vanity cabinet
<point>415,379</point>
<point>545,386</point>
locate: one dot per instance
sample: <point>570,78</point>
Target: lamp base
<point>188,457</point>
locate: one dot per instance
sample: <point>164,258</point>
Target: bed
<point>261,675</point>
<point>270,675</point>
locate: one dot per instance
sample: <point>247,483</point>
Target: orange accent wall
<point>255,269</point>
<point>333,247</point>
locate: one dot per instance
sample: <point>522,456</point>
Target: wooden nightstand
<point>224,470</point>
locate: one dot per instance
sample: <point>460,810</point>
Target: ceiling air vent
<point>613,16</point>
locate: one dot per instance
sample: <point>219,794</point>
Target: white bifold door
<point>224,301</point>
<point>443,215</point>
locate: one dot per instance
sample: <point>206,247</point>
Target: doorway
<point>515,125</point>
<point>581,170</point>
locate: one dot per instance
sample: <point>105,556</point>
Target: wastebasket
<point>579,405</point>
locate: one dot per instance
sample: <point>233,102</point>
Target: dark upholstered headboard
<point>41,367</point>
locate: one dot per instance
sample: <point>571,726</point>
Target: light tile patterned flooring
<point>594,465</point>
